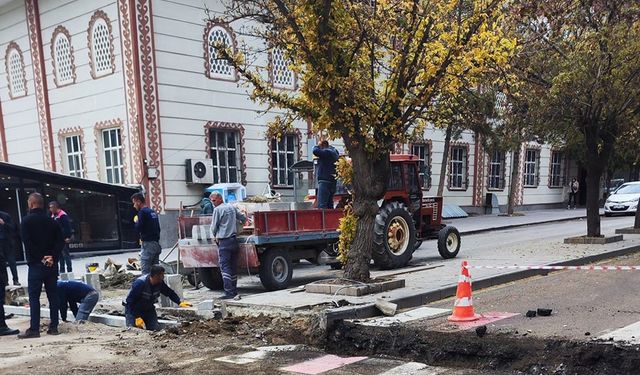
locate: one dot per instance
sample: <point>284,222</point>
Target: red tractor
<point>281,236</point>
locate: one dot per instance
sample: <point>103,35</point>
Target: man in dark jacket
<point>62,219</point>
<point>4,330</point>
<point>7,233</point>
<point>43,242</point>
<point>71,293</point>
<point>327,157</point>
<point>144,293</point>
<point>148,227</point>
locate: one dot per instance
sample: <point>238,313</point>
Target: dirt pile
<point>499,352</point>
<point>120,280</point>
<point>255,330</point>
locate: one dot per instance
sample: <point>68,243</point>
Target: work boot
<point>29,334</point>
<point>6,331</point>
<point>16,283</point>
<point>228,296</point>
<point>53,331</point>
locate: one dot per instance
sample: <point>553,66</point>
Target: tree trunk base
<point>629,230</point>
<point>584,240</point>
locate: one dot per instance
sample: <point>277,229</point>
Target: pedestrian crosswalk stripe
<point>243,359</point>
<point>415,368</point>
<point>321,364</point>
<point>629,334</point>
<point>419,313</point>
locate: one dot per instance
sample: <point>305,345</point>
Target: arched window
<point>14,63</point>
<point>62,57</point>
<point>281,76</point>
<point>215,66</point>
<point>100,38</point>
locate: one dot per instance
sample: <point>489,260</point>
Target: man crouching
<point>144,293</point>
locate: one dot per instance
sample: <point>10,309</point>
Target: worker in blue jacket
<point>148,227</point>
<point>71,293</point>
<point>140,303</point>
<point>327,158</point>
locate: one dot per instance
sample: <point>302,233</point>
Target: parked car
<point>624,200</point>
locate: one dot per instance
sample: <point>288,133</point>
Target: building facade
<point>126,91</point>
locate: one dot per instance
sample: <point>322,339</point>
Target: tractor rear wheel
<point>448,242</point>
<point>276,269</point>
<point>394,236</point>
<point>211,277</point>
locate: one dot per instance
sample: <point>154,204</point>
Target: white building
<point>125,91</point>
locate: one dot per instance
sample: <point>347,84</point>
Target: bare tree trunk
<point>593,202</point>
<point>369,185</point>
<point>513,181</point>
<point>445,160</point>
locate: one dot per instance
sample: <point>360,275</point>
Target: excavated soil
<point>500,352</point>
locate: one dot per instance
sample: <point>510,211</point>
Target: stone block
<point>354,290</point>
<point>174,282</point>
<point>15,295</point>
<point>630,230</point>
<point>206,305</point>
<point>66,276</point>
<point>593,240</point>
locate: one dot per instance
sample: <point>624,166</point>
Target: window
<point>458,168</point>
<point>224,152</point>
<point>423,152</point>
<point>496,170</point>
<point>112,148</point>
<point>15,71</point>
<point>283,154</point>
<point>556,169</point>
<point>73,148</point>
<point>62,57</point>
<point>531,168</point>
<point>281,76</point>
<point>215,65</point>
<point>101,55</point>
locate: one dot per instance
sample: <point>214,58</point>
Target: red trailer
<point>279,238</point>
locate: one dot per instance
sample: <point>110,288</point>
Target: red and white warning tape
<point>554,268</point>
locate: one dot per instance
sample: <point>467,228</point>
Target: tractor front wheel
<point>211,277</point>
<point>394,236</point>
<point>448,242</point>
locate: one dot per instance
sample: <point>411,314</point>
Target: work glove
<point>135,219</point>
<point>185,304</point>
<point>140,323</point>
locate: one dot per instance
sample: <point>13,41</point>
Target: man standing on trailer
<point>224,224</point>
<point>328,156</point>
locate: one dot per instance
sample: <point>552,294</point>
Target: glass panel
<point>231,140</point>
<point>233,175</point>
<point>105,139</point>
<point>212,138</point>
<point>114,138</point>
<point>107,161</point>
<point>68,141</point>
<point>221,140</point>
<point>290,140</point>
<point>281,175</point>
<point>110,175</point>
<point>232,159</point>
<point>223,159</point>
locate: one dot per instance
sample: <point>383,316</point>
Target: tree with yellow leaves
<point>370,71</point>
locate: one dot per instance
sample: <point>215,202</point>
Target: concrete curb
<point>110,320</point>
<point>511,226</point>
<point>419,299</point>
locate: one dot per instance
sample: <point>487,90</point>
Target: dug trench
<point>498,352</point>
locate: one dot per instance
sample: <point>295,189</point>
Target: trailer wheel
<point>276,269</point>
<point>394,236</point>
<point>448,242</point>
<point>211,277</point>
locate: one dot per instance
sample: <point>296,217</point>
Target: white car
<point>624,200</point>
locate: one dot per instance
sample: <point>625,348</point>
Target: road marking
<point>243,359</point>
<point>415,368</point>
<point>486,318</point>
<point>419,313</point>
<point>629,334</point>
<point>321,364</point>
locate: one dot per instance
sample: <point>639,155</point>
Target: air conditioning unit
<point>199,171</point>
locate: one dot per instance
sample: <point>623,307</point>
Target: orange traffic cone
<point>463,307</point>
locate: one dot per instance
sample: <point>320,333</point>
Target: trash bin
<point>492,206</point>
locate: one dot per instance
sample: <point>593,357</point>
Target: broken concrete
<point>67,276</point>
<point>386,307</point>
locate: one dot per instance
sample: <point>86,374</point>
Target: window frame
<point>272,73</point>
<point>100,152</point>
<point>502,170</point>
<point>214,148</point>
<point>464,173</point>
<point>274,165</point>
<point>100,16</point>
<point>12,48</point>
<point>63,134</point>
<point>560,169</point>
<point>226,28</point>
<point>58,33</point>
<point>528,165</point>
<point>426,178</point>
